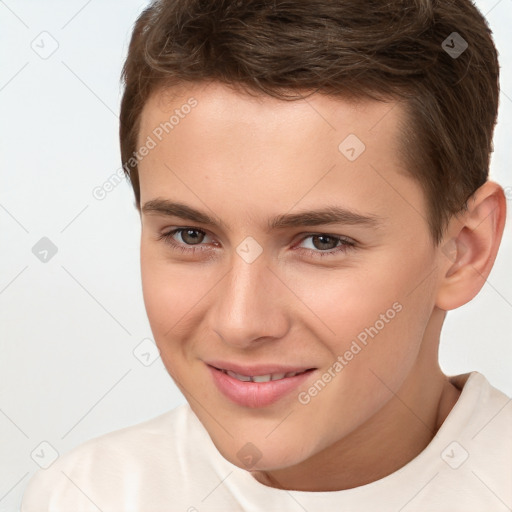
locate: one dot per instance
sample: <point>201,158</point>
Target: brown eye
<point>191,239</point>
<point>325,245</point>
<point>324,242</point>
<point>192,236</point>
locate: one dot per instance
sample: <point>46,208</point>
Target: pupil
<point>188,233</point>
<point>324,238</point>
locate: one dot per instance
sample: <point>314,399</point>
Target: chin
<point>262,455</point>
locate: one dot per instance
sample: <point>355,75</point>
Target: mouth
<point>267,377</point>
<point>257,386</point>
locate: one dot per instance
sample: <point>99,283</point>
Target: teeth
<point>261,378</point>
<point>238,376</point>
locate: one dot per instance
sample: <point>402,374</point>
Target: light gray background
<point>70,326</point>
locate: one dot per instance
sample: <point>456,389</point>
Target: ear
<point>470,245</point>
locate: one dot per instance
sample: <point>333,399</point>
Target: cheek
<point>369,358</point>
<point>343,303</point>
<point>169,291</point>
<point>373,318</point>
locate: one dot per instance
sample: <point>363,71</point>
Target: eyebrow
<point>326,215</point>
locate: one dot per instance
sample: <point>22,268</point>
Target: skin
<point>246,159</point>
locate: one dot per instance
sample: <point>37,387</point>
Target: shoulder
<point>472,451</point>
<point>90,472</point>
<point>491,420</point>
<point>483,410</point>
<point>485,442</point>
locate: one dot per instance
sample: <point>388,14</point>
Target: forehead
<point>227,106</point>
<point>213,117</point>
<point>270,153</point>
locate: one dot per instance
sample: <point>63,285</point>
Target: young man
<point>312,183</point>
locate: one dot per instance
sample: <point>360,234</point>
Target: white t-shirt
<point>169,463</point>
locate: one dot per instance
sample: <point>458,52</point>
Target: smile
<point>262,378</point>
<point>261,388</point>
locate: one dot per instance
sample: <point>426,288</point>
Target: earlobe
<point>470,246</point>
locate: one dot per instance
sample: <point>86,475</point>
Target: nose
<point>250,304</point>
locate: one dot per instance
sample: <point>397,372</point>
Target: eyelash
<point>346,243</point>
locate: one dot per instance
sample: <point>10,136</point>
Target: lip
<point>256,394</point>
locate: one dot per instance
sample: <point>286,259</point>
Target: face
<point>332,307</point>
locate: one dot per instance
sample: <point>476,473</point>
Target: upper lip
<point>251,370</point>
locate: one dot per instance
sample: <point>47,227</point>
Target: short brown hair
<point>344,48</point>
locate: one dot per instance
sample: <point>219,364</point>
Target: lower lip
<point>256,394</point>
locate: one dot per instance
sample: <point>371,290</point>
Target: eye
<point>323,244</point>
<point>190,236</point>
